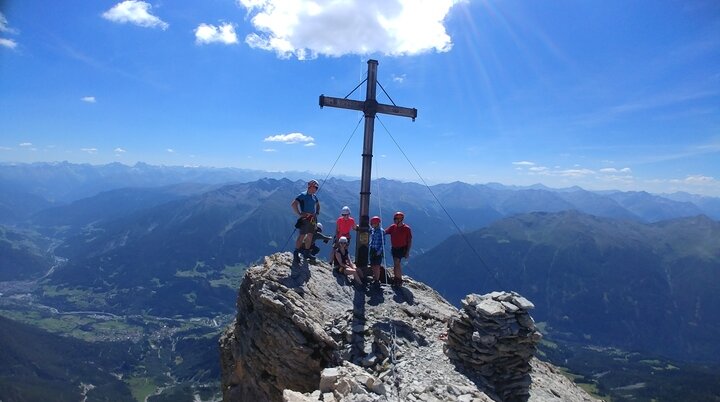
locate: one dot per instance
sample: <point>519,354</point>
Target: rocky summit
<point>307,334</point>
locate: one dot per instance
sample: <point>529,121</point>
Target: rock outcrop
<point>495,338</point>
<point>306,334</point>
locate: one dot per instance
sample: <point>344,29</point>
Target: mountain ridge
<point>597,277</point>
<point>303,333</point>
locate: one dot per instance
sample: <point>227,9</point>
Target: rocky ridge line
<point>305,334</point>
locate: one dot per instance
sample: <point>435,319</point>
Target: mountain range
<point>650,287</point>
<point>626,269</point>
<point>170,249</point>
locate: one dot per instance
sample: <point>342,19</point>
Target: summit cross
<point>370,107</point>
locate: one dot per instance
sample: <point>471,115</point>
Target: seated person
<point>343,262</point>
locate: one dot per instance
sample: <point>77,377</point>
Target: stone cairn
<point>495,338</point>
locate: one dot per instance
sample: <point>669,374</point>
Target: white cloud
<point>308,28</point>
<point>25,144</point>
<point>700,180</point>
<point>119,150</point>
<point>170,150</point>
<point>292,138</point>
<point>135,12</point>
<point>5,149</point>
<point>574,172</point>
<point>3,23</point>
<point>614,170</point>
<point>399,78</point>
<point>538,169</point>
<point>309,144</point>
<point>269,150</point>
<point>524,163</point>
<point>88,99</point>
<point>4,26</point>
<point>8,43</point>
<point>89,150</point>
<point>206,33</point>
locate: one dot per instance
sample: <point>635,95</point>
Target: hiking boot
<point>312,259</point>
<point>296,257</point>
<point>397,282</point>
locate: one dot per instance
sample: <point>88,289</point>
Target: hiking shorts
<point>376,257</point>
<point>399,252</point>
<point>307,226</point>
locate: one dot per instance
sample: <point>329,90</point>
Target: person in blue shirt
<point>307,207</point>
<point>377,242</point>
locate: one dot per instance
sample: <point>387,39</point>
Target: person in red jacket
<point>401,241</point>
<point>344,225</point>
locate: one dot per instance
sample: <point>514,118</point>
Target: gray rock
<point>298,330</point>
<point>489,307</point>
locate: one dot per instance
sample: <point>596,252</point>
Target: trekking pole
<point>288,239</point>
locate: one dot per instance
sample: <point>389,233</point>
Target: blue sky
<point>601,94</point>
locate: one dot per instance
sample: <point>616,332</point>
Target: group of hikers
<point>307,207</point>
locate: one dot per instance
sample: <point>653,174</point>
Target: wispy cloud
<point>5,28</point>
<point>89,150</point>
<point>669,153</point>
<point>25,144</point>
<point>134,12</point>
<point>699,180</point>
<point>170,151</point>
<point>697,183</point>
<point>570,172</point>
<point>399,78</point>
<point>5,149</point>
<point>614,170</point>
<point>88,99</point>
<point>269,150</point>
<point>532,168</point>
<point>308,28</point>
<point>119,150</point>
<point>225,33</point>
<point>8,43</point>
<point>292,138</point>
<point>663,101</point>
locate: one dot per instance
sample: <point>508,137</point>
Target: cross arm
<point>341,103</point>
<point>397,110</point>
<point>369,107</point>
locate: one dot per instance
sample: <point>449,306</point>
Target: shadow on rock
<point>358,323</point>
<point>403,295</point>
<point>299,275</point>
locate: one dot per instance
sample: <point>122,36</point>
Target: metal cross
<point>370,107</point>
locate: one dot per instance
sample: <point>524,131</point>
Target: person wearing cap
<point>343,226</point>
<point>376,247</point>
<point>307,207</point>
<point>318,235</point>
<point>344,263</point>
<point>401,241</point>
